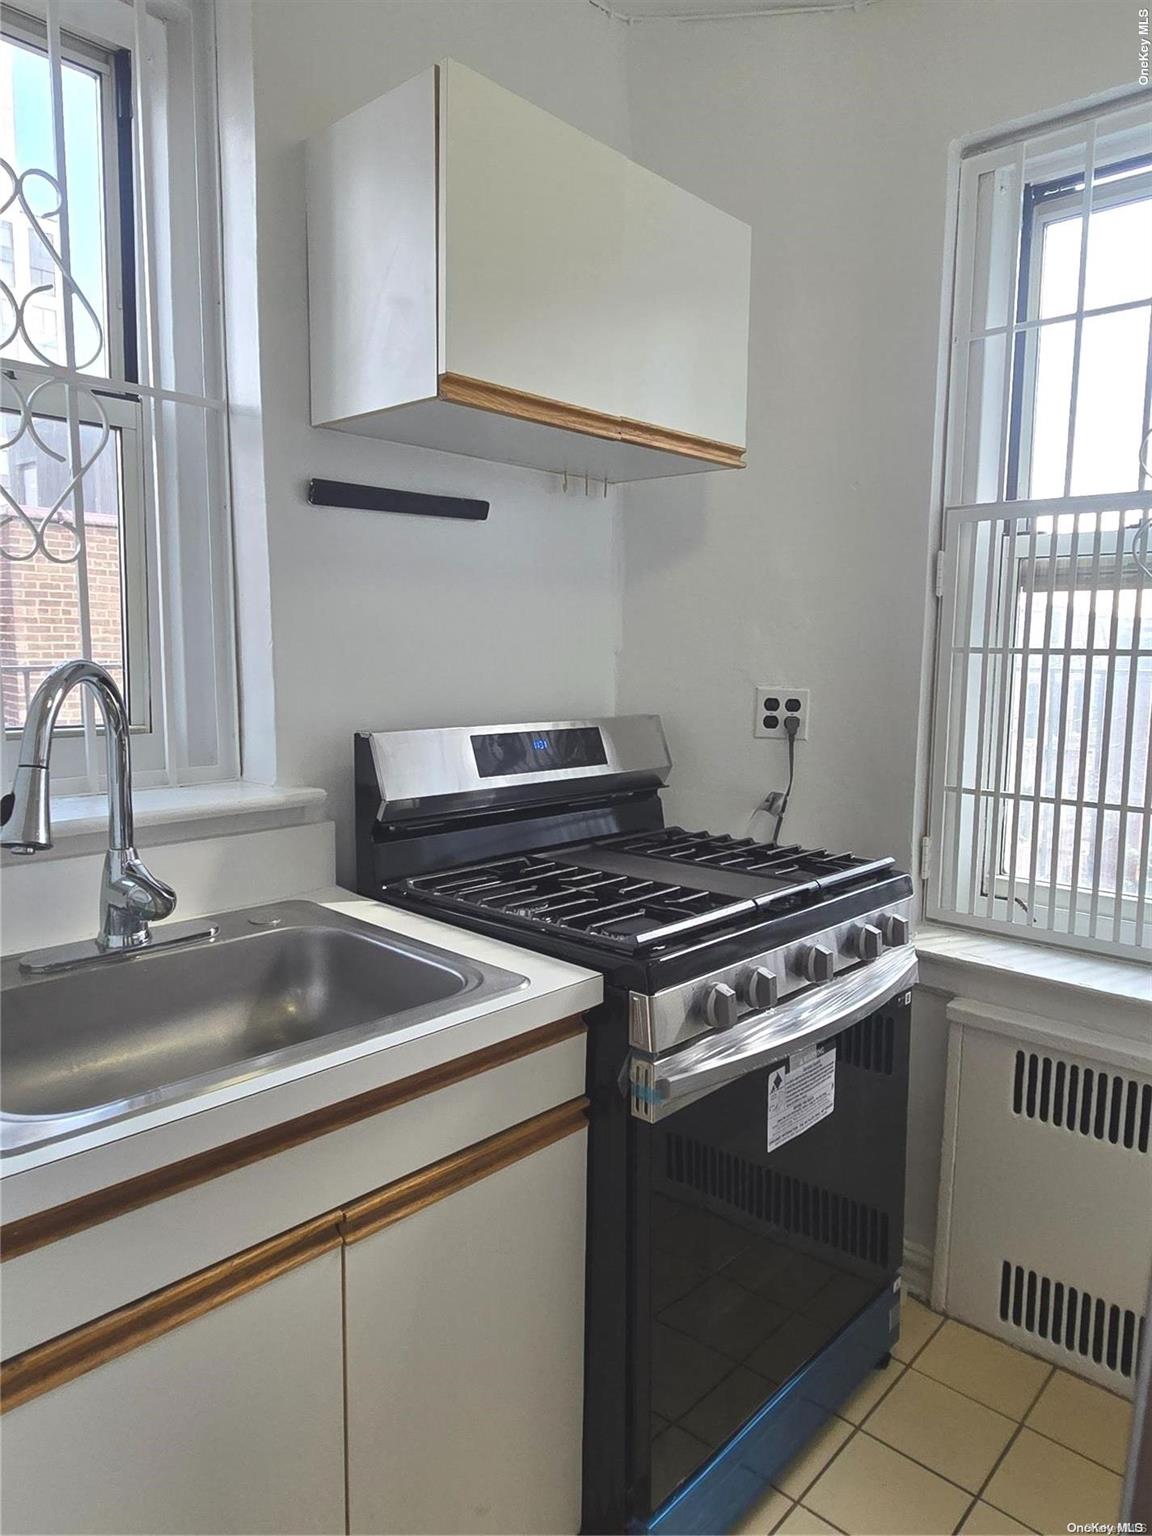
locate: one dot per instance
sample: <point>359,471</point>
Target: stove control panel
<point>726,997</point>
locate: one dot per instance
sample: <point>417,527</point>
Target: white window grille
<point>114,523</point>
<point>1041,795</point>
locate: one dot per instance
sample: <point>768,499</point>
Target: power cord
<point>775,803</point>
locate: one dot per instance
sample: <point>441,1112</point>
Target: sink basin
<point>276,985</point>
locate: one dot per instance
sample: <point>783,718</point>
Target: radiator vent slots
<point>1103,1105</point>
<point>786,1203</point>
<point>869,1044</point>
<point>1072,1319</point>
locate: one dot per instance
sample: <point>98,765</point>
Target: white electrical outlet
<point>775,705</point>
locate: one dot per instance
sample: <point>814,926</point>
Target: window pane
<point>26,142</point>
<point>1110,402</point>
<point>1060,267</point>
<point>1054,349</point>
<point>40,615</point>
<point>1119,265</point>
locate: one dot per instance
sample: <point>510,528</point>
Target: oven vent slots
<point>869,1044</point>
<point>783,1202</point>
<point>1104,1105</point>
<point>1072,1319</point>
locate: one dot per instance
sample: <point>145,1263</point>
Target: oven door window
<point>751,1262</point>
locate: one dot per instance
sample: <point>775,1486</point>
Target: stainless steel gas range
<point>748,1075</point>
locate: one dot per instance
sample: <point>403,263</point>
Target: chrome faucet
<point>131,896</point>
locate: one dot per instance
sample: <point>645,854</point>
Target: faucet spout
<point>28,812</point>
<point>131,896</point>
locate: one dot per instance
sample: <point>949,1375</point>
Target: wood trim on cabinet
<point>459,389</point>
<point>437,1181</point>
<point>47,1366</point>
<point>52,1364</point>
<point>28,1233</point>
<point>667,440</point>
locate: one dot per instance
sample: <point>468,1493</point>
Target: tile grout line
<point>855,1429</point>
<point>967,1396</point>
<point>1020,1423</point>
<point>1011,1442</point>
<point>861,1428</point>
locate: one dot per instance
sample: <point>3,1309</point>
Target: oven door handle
<point>659,1086</point>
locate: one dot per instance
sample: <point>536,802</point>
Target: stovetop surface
<point>643,892</point>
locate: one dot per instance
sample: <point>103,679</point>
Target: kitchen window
<point>1041,795</point>
<point>114,528</point>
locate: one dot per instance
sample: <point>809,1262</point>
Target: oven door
<point>766,1248</point>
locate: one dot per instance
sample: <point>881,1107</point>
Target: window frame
<point>112,66</point>
<point>167,364</point>
<point>1044,203</point>
<point>970,494</point>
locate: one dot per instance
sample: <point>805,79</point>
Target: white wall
<point>830,135</point>
<point>384,621</point>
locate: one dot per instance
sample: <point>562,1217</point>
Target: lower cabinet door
<point>465,1341</point>
<point>230,1422</point>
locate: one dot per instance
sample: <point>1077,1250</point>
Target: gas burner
<point>616,890</point>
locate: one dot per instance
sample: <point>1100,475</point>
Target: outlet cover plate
<point>774,705</point>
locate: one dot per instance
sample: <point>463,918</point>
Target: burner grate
<point>811,869</point>
<point>641,908</point>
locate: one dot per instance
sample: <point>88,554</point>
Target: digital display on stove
<point>538,751</point>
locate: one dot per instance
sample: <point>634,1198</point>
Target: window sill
<point>1065,984</point>
<point>166,815</point>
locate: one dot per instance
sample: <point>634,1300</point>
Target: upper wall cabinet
<point>487,280</point>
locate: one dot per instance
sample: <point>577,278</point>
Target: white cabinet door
<point>685,272</point>
<point>231,1422</point>
<point>465,1335</point>
<point>530,239</point>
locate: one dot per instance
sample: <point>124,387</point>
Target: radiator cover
<point>1045,1233</point>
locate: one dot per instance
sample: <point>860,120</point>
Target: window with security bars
<point>114,518</point>
<point>1041,788</point>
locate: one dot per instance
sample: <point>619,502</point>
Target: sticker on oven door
<point>801,1092</point>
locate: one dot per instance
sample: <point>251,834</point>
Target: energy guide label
<point>801,1092</point>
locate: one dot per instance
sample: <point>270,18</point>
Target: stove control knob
<point>819,962</point>
<point>762,989</point>
<point>897,930</point>
<point>721,1006</point>
<point>869,942</point>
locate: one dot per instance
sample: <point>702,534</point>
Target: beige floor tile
<point>917,1325</point>
<point>959,1438</point>
<point>802,1522</point>
<point>981,1367</point>
<point>869,1393</point>
<point>983,1520</point>
<point>1084,1417</point>
<point>1048,1486</point>
<point>871,1490</point>
<point>764,1516</point>
<point>803,1469</point>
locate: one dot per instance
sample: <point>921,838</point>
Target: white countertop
<point>49,1175</point>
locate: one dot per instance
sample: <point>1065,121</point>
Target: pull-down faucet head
<point>24,812</point>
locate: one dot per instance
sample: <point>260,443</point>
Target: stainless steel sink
<point>275,985</point>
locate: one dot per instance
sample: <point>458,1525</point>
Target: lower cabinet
<point>465,1339</point>
<point>230,1422</point>
<point>411,1361</point>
